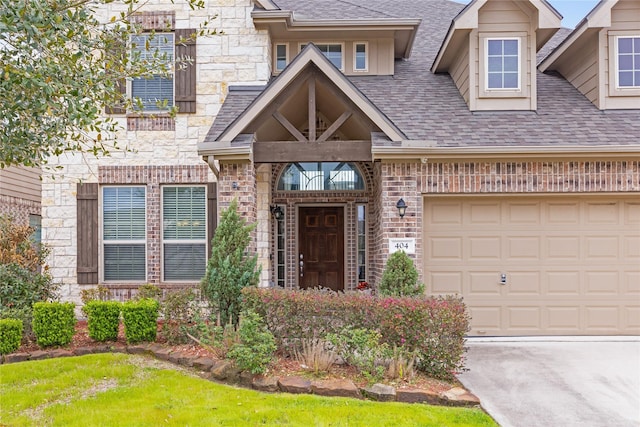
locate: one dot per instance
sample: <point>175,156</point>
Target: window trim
<point>366,241</point>
<point>277,70</point>
<point>278,249</point>
<point>328,43</point>
<point>101,270</point>
<point>155,109</point>
<point>614,89</point>
<point>485,59</point>
<point>366,57</point>
<point>181,241</point>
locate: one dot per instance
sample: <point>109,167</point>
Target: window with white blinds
<point>184,232</point>
<point>155,91</point>
<point>124,233</point>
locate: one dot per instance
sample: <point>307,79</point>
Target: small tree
<point>230,267</point>
<point>400,277</point>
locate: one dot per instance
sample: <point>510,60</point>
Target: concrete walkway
<point>574,382</point>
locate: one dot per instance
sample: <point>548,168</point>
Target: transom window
<point>629,61</point>
<point>332,51</point>
<point>155,93</point>
<point>503,63</point>
<point>360,62</point>
<point>281,57</point>
<point>184,233</point>
<point>124,233</point>
<point>320,176</point>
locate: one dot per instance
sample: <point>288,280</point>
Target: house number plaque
<point>407,245</point>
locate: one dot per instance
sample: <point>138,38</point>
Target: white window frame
<point>366,241</point>
<point>182,241</point>
<point>327,43</point>
<point>617,59</point>
<point>104,242</point>
<point>275,56</point>
<point>355,57</point>
<point>614,90</point>
<point>154,108</point>
<point>485,59</point>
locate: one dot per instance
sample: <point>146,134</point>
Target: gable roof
<point>599,17</point>
<point>309,55</point>
<point>429,110</point>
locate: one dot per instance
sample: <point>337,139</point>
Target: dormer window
<point>502,64</point>
<point>333,52</point>
<point>628,57</point>
<point>281,57</point>
<point>360,59</point>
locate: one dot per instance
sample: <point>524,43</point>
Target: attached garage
<point>554,265</point>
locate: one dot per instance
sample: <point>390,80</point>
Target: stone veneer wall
<point>239,56</point>
<point>413,180</point>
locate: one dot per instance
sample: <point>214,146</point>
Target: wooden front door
<point>321,247</point>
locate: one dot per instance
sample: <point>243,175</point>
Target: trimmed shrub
<point>230,268</point>
<point>103,319</point>
<point>53,323</point>
<point>140,318</point>
<point>400,277</point>
<point>431,328</point>
<point>257,345</point>
<point>10,335</point>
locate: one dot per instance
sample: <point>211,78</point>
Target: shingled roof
<point>429,109</point>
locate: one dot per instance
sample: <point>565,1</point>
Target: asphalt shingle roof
<point>428,107</point>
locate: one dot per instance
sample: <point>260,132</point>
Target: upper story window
<point>333,52</point>
<point>319,176</point>
<point>502,64</point>
<point>360,58</point>
<point>628,56</point>
<point>124,233</point>
<point>156,93</point>
<point>281,57</point>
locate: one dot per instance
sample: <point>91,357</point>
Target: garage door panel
<point>523,318</point>
<point>599,283</point>
<point>602,318</point>
<point>563,283</point>
<point>601,248</point>
<point>484,248</point>
<point>445,282</point>
<point>564,248</point>
<point>562,213</point>
<point>563,318</point>
<point>602,213</point>
<point>572,263</point>
<point>523,248</point>
<point>521,283</point>
<point>484,283</point>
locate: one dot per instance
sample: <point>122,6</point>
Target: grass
<point>124,390</point>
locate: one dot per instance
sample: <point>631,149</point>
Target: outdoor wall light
<point>277,212</point>
<point>402,208</point>
<point>235,185</point>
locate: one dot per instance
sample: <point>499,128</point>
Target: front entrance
<point>321,247</point>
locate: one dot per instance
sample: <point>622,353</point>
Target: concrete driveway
<point>573,382</point>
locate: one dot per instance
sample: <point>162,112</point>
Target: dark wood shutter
<point>185,76</point>
<point>87,207</point>
<point>212,212</point>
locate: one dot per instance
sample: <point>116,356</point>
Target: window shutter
<point>185,77</point>
<point>87,243</point>
<point>212,212</point>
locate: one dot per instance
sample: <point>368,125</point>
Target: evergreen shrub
<point>140,318</point>
<point>10,335</point>
<point>53,323</point>
<point>103,319</point>
<point>400,277</point>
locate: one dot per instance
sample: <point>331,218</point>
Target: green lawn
<point>124,390</point>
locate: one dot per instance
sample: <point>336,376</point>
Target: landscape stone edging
<point>225,371</point>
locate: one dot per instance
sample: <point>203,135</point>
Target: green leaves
<point>60,69</point>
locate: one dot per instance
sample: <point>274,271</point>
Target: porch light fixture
<point>277,212</point>
<point>402,208</point>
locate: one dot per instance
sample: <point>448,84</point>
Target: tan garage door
<point>537,266</point>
